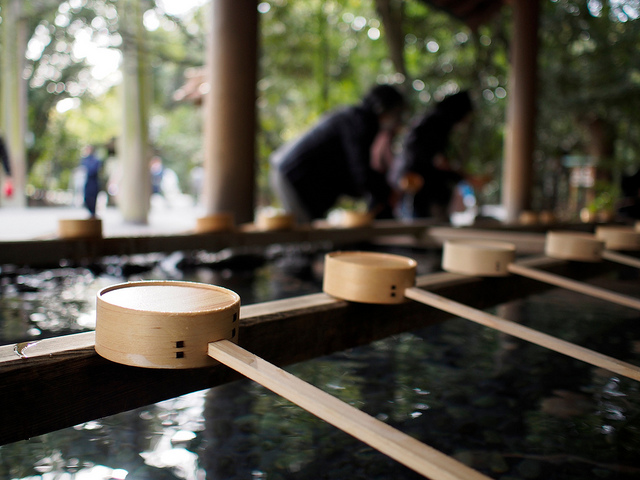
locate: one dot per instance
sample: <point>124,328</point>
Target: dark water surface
<point>507,408</point>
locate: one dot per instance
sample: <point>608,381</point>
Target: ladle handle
<point>397,445</point>
<point>574,285</point>
<point>620,258</point>
<point>524,333</point>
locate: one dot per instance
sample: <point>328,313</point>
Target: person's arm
<point>357,136</point>
<point>414,162</point>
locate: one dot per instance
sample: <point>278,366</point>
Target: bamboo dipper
<point>86,228</point>
<point>216,222</point>
<point>492,258</point>
<point>168,324</point>
<point>380,278</point>
<point>585,247</point>
<point>619,238</point>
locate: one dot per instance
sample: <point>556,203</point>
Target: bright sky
<point>180,7</point>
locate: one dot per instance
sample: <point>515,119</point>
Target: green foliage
<point>60,146</point>
<point>179,141</point>
<point>55,71</point>
<point>336,62</point>
<point>60,155</point>
<point>318,55</point>
<point>589,70</point>
<point>56,74</point>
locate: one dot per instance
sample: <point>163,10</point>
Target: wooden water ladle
<point>586,247</point>
<point>618,238</point>
<point>170,324</point>
<point>486,258</point>
<point>381,278</point>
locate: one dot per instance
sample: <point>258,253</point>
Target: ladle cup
<point>586,247</point>
<point>215,222</point>
<point>380,278</point>
<point>169,324</point>
<point>492,258</point>
<point>86,228</point>
<point>618,238</point>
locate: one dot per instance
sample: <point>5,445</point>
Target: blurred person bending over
<point>423,172</point>
<point>344,154</point>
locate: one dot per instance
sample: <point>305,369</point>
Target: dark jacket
<point>4,158</point>
<point>92,167</point>
<point>332,159</point>
<point>428,137</point>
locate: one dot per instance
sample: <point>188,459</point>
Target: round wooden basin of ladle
<point>164,324</point>
<point>493,258</point>
<point>218,222</point>
<point>581,247</point>
<point>172,324</point>
<point>275,221</point>
<point>355,219</point>
<point>484,258</point>
<point>371,277</point>
<point>586,247</point>
<point>528,217</point>
<point>70,228</point>
<point>619,238</point>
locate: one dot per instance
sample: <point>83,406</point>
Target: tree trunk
<point>135,187</point>
<point>391,12</point>
<point>14,96</point>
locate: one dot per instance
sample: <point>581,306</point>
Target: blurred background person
<point>157,172</point>
<point>423,172</point>
<point>334,158</point>
<point>6,165</point>
<point>629,204</point>
<point>92,166</point>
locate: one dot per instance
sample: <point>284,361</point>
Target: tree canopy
<point>316,55</point>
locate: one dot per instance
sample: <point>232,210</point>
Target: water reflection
<point>508,408</point>
<point>37,304</point>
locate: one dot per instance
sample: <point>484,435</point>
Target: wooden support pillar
<point>229,109</point>
<point>520,136</point>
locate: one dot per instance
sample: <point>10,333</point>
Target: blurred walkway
<point>42,222</point>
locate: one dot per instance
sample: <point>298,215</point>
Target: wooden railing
<point>48,252</point>
<point>60,382</point>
